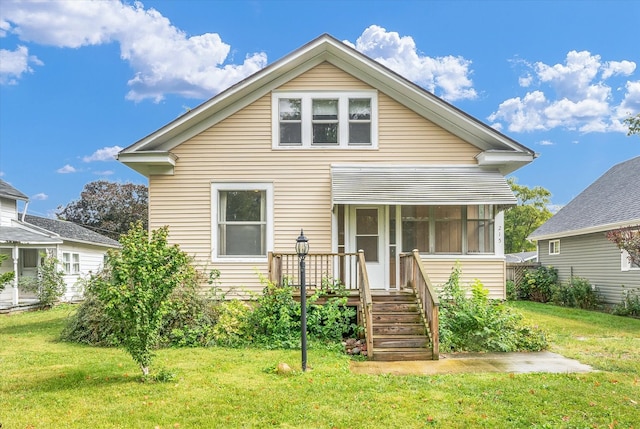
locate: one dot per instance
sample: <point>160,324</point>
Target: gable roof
<point>612,201</point>
<point>151,155</point>
<point>8,191</point>
<point>70,231</point>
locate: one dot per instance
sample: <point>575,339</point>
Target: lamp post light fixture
<point>302,249</point>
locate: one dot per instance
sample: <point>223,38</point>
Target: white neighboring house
<point>25,237</point>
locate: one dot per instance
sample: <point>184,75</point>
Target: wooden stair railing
<point>366,303</point>
<point>414,275</point>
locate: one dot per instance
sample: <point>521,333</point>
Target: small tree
<point>136,286</point>
<point>523,219</point>
<point>49,284</point>
<point>627,239</point>
<point>5,277</point>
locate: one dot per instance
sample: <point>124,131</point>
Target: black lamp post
<point>302,249</point>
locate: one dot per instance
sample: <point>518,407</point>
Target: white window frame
<point>215,202</point>
<point>71,263</point>
<point>306,98</point>
<point>625,264</point>
<point>554,247</point>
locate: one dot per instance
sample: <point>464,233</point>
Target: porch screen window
<point>290,115</point>
<point>29,258</point>
<point>480,229</point>
<point>448,222</point>
<point>325,121</point>
<point>415,228</point>
<point>242,223</point>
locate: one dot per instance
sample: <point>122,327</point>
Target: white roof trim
<point>327,48</point>
<point>583,231</point>
<point>418,185</point>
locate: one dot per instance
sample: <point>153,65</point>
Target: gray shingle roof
<point>8,191</point>
<point>12,234</point>
<point>70,231</point>
<point>611,200</point>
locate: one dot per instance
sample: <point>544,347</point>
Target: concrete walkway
<point>475,362</point>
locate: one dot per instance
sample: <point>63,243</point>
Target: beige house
<point>328,140</point>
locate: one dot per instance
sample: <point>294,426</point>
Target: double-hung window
<point>554,247</point>
<point>325,119</point>
<point>243,221</point>
<point>71,263</point>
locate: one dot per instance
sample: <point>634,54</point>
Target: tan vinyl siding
<point>593,257</point>
<point>491,272</point>
<point>239,149</point>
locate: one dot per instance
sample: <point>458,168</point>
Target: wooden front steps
<point>399,331</point>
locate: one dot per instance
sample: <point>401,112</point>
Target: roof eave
<point>583,231</point>
<point>150,163</point>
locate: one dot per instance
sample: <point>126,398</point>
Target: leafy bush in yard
<point>630,305</point>
<point>232,328</point>
<point>577,293</point>
<point>512,290</point>
<point>478,323</point>
<point>538,284</point>
<point>48,285</point>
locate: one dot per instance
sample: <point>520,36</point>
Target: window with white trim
<point>626,264</point>
<point>242,221</point>
<point>71,263</point>
<point>554,247</point>
<point>324,119</point>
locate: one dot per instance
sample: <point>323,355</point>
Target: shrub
<point>538,284</point>
<point>576,293</point>
<point>232,328</point>
<point>48,285</point>
<point>90,325</point>
<point>478,323</point>
<point>512,290</point>
<point>630,305</point>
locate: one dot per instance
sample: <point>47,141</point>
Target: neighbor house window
<point>554,247</point>
<point>243,216</point>
<point>324,119</point>
<point>448,229</point>
<point>626,264</point>
<point>71,263</point>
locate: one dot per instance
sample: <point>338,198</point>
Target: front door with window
<point>367,232</point>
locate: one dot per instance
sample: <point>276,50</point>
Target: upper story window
<point>554,247</point>
<point>325,119</point>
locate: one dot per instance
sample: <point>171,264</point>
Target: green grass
<point>48,384</point>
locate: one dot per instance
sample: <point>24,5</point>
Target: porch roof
<point>16,235</point>
<point>419,185</point>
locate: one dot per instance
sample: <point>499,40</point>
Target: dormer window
<point>324,119</point>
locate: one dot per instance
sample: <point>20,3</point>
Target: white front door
<point>368,233</point>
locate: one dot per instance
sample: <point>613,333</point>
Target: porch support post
<point>14,255</point>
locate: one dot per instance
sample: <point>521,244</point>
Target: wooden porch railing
<point>413,274</point>
<point>321,270</point>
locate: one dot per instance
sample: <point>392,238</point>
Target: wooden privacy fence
<point>516,270</point>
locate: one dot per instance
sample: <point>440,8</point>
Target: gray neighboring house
<point>23,238</point>
<point>574,240</point>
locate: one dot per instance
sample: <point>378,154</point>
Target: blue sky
<point>79,80</point>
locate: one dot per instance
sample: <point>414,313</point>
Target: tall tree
<point>628,239</point>
<point>108,208</point>
<point>523,219</point>
<point>633,122</point>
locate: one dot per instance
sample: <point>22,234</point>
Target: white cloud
<point>164,59</point>
<point>525,81</point>
<point>13,64</point>
<point>104,173</point>
<point>446,76</point>
<point>576,95</point>
<point>40,197</point>
<point>546,143</point>
<point>66,169</point>
<point>104,154</point>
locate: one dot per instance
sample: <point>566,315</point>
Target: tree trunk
<point>145,370</point>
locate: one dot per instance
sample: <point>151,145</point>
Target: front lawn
<point>48,384</point>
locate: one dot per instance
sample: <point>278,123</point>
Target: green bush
<point>232,328</point>
<point>538,284</point>
<point>479,324</point>
<point>577,293</point>
<point>90,325</point>
<point>48,285</point>
<point>630,305</point>
<point>512,291</point>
